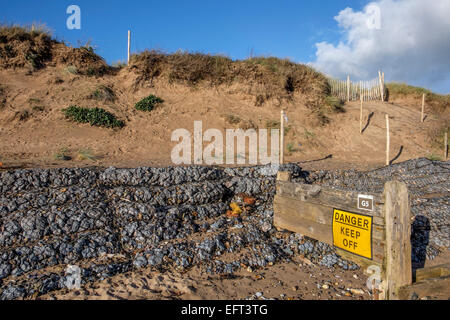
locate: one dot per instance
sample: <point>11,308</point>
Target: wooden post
<point>360,116</point>
<point>387,140</point>
<point>282,137</point>
<point>381,85</point>
<point>348,87</point>
<point>398,238</point>
<point>360,89</point>
<point>423,107</point>
<point>382,92</point>
<point>445,146</point>
<point>129,45</point>
<point>283,176</point>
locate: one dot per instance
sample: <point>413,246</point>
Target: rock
<point>356,291</point>
<point>266,226</point>
<point>414,296</point>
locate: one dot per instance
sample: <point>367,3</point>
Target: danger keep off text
<point>353,232</point>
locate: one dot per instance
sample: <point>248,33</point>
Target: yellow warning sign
<point>353,232</point>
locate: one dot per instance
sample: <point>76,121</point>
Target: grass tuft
<point>103,93</point>
<point>86,154</point>
<point>63,155</point>
<point>232,119</point>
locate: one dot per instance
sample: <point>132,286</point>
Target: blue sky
<point>284,28</point>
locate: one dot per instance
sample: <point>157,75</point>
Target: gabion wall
<point>109,221</point>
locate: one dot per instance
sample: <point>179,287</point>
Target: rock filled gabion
<point>110,221</point>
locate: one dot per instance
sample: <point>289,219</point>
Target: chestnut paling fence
<point>348,90</point>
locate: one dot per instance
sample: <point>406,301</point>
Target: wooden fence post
<point>423,107</point>
<point>348,87</point>
<point>381,85</point>
<point>398,242</point>
<point>283,176</point>
<point>388,141</point>
<point>129,45</point>
<point>360,116</point>
<point>445,146</point>
<point>282,137</point>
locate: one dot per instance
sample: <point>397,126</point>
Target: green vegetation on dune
<point>94,116</point>
<point>148,103</point>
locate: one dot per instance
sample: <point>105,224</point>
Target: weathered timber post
<point>283,176</point>
<point>348,87</point>
<point>423,107</point>
<point>445,146</point>
<point>282,137</point>
<point>360,115</point>
<point>388,140</point>
<point>129,46</point>
<point>381,85</point>
<point>398,239</point>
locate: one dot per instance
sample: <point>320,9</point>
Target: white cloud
<point>412,43</point>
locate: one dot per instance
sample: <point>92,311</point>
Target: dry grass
<point>103,93</point>
<point>232,119</point>
<point>2,97</point>
<point>33,47</point>
<point>263,77</point>
<point>24,46</point>
<point>82,60</point>
<point>237,122</point>
<point>86,154</point>
<point>437,133</point>
<point>63,154</point>
<point>438,103</point>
